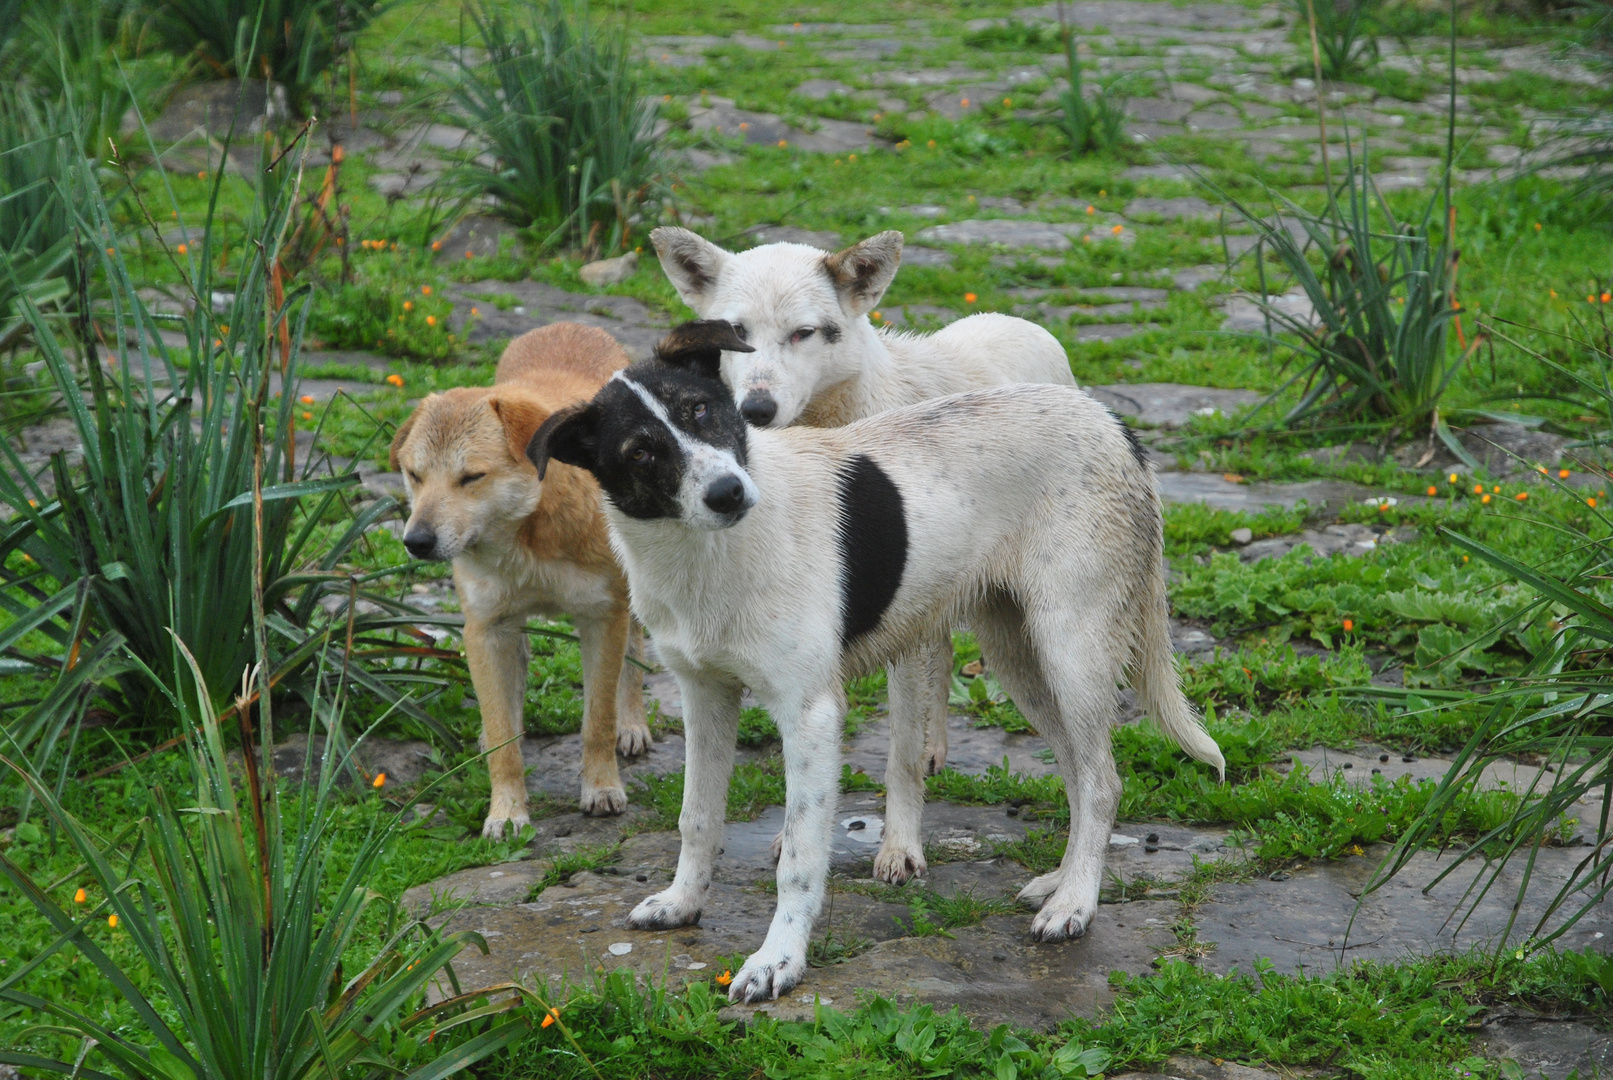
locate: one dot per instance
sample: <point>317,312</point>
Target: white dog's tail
<point>1158,686</point>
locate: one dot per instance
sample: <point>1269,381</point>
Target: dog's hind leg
<point>938,660</point>
<point>1071,702</point>
<point>811,737</point>
<point>711,731</point>
<point>632,729</point>
<point>604,644</point>
<point>497,654</point>
<point>915,708</point>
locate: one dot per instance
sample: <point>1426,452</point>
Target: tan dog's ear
<point>398,439</point>
<point>521,420</point>
<point>863,272</point>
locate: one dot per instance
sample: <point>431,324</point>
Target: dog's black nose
<point>758,408</point>
<point>726,495</point>
<point>421,541</point>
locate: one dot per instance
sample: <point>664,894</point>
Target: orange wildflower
<point>969,298</point>
<point>80,896</point>
<point>431,320</point>
<point>182,249</point>
<point>1522,495</point>
<point>1486,499</point>
<point>725,978</point>
<point>1432,490</point>
<point>307,399</point>
<point>112,920</point>
<point>1562,474</point>
<point>395,380</point>
<point>1349,625</point>
<point>379,781</point>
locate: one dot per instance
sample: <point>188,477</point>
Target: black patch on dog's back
<point>1136,445</point>
<point>873,545</point>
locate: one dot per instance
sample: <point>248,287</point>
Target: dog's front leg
<point>497,653</point>
<point>604,644</point>
<point>913,682</point>
<point>710,731</point>
<point>811,792</point>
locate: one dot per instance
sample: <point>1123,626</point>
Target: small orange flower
<point>1607,298</point>
<point>80,896</point>
<point>851,157</point>
<point>1537,226</point>
<point>425,290</point>
<point>1496,489</point>
<point>379,781</point>
<point>1522,495</point>
<point>550,1017</point>
<point>964,102</point>
<point>436,245</point>
<point>1092,209</point>
<point>1464,558</point>
<point>307,399</point>
<point>182,249</point>
<point>431,320</point>
<point>395,380</point>
<point>201,174</point>
<point>782,143</point>
<point>476,312</point>
<point>743,126</point>
<point>1486,499</point>
<point>112,920</point>
<point>1591,503</point>
<point>931,144</point>
<point>1349,625</point>
<point>1117,230</point>
<point>969,298</point>
<point>469,254</point>
<point>111,251</point>
<point>1478,489</point>
<point>1432,490</point>
<point>408,305</point>
<point>725,978</point>
<point>1562,474</point>
<point>307,416</point>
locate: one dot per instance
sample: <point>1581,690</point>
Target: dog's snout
<point>726,495</point>
<point>758,408</point>
<point>421,540</point>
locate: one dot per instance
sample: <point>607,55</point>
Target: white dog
<point>817,360</point>
<point>788,561</point>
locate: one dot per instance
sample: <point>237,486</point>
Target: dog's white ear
<point>568,437</point>
<point>691,263</point>
<point>863,272</point>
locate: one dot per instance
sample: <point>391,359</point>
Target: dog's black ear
<point>568,436</point>
<point>698,346</point>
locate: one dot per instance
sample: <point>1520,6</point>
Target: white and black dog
<point>790,560</point>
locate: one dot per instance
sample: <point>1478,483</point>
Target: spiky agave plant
<point>240,926</point>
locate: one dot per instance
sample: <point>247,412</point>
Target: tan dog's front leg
<point>498,653</point>
<point>604,644</point>
<point>632,729</point>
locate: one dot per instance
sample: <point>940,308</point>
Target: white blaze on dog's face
<point>463,460</point>
<point>793,304</point>
<point>665,442</point>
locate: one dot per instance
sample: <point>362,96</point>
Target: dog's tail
<point>1159,687</point>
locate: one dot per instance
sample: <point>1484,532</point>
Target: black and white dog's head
<point>664,438</point>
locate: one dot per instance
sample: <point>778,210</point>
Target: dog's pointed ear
<point>400,437</point>
<point>521,420</point>
<point>863,272</point>
<point>691,263</point>
<point>698,346</point>
<point>568,436</point>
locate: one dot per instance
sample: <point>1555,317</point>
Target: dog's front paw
<point>1036,893</point>
<point>895,865</point>
<point>664,911</point>
<point>633,741</point>
<point>762,981</point>
<point>602,801</point>
<point>493,828</point>
<point>1055,922</point>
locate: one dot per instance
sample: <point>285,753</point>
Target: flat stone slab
<point>1223,494</point>
<point>1170,405</point>
<point>1180,1067</point>
<point>1142,16</point>
<point>1330,540</point>
<point>1188,207</point>
<point>918,255</point>
<point>721,116</point>
<point>531,304</point>
<point>1246,315</point>
<point>1019,233</point>
<point>1303,921</point>
<point>1555,1049</point>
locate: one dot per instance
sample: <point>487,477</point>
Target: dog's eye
<point>414,476</point>
<point>700,410</point>
<point>470,478</point>
<point>639,456</point>
<point>801,335</point>
<point>744,334</point>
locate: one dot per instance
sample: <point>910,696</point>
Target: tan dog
<point>522,548</point>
